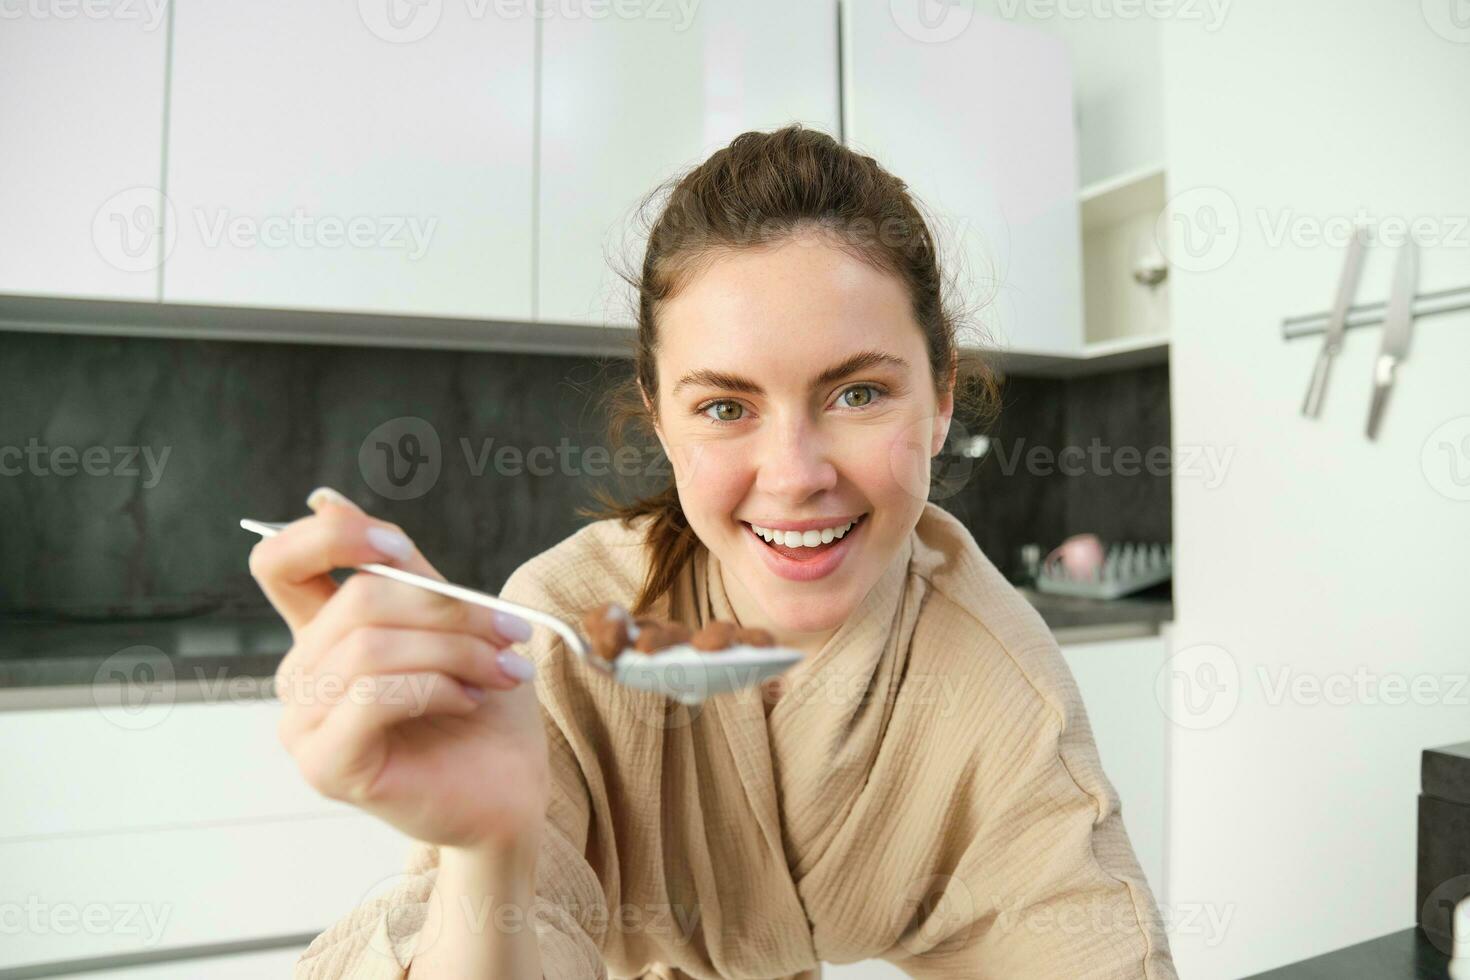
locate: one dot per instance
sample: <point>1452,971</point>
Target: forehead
<point>804,303</point>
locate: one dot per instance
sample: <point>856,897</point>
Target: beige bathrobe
<point>927,791</point>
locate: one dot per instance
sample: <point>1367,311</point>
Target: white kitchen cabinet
<point>975,114</point>
<point>1117,680</point>
<point>81,117</point>
<point>629,102</point>
<point>174,825</point>
<point>319,158</point>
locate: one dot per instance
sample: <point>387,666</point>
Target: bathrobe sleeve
<point>376,940</point>
<point>1046,885</point>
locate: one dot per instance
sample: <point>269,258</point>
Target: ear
<point>943,414</point>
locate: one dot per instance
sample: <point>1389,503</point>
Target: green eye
<point>724,411</point>
<point>865,393</point>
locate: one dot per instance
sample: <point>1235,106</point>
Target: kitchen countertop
<point>1404,955</point>
<point>55,664</point>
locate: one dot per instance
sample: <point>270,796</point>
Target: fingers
<point>292,567</point>
<point>343,757</point>
<point>367,600</point>
<point>375,651</point>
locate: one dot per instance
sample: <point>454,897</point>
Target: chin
<point>806,615</point>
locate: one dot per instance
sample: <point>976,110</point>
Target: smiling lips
<point>810,538</point>
<point>803,553</point>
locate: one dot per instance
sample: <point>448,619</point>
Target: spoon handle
<point>267,529</point>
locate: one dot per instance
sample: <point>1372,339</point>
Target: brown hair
<point>756,192</point>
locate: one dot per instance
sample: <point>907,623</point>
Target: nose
<point>794,460</point>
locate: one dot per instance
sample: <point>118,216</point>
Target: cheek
<point>891,465</point>
<point>713,477</point>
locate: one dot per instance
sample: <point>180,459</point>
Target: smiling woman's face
<point>795,395</point>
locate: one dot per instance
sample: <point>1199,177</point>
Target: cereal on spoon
<point>610,631</point>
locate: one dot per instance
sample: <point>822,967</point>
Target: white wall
<point>1116,79</point>
<point>1319,551</point>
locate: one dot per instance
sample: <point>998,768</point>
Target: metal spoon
<point>681,672</point>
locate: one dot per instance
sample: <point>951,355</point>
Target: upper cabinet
<point>81,117</point>
<point>362,157</point>
<point>630,102</point>
<point>487,161</point>
<point>975,115</point>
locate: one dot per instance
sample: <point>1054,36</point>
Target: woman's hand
<point>397,699</point>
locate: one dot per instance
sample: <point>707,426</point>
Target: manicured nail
<point>475,693</point>
<point>390,543</point>
<point>513,628</point>
<point>515,665</point>
<point>323,495</point>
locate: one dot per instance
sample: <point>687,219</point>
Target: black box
<point>1444,838</point>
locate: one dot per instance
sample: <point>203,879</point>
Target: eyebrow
<point>860,361</point>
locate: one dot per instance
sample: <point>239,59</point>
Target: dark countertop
<point>1405,955</point>
<point>207,648</point>
<point>1075,620</point>
<point>210,649</point>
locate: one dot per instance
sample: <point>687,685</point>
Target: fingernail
<point>475,693</point>
<point>323,495</point>
<point>513,628</point>
<point>390,543</point>
<point>515,665</point>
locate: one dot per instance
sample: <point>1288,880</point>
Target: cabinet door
<point>336,156</point>
<point>81,119</point>
<point>1117,681</point>
<point>975,115</point>
<point>629,102</point>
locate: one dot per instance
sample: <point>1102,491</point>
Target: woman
<point>923,787</point>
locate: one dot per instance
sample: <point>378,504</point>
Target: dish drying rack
<point>1127,567</point>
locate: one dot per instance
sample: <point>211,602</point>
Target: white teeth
<point>803,539</point>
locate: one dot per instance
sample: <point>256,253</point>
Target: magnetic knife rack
<point>1371,314</point>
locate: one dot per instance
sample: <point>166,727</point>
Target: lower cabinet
<point>187,825</point>
<point>1117,680</point>
<point>179,826</point>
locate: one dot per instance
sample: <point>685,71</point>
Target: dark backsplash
<point>1074,455</point>
<point>168,443</point>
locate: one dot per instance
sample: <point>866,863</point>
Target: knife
<point>1336,326</point>
<point>1398,321</point>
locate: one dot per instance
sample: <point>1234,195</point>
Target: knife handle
<point>1383,373</point>
<point>1317,388</point>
